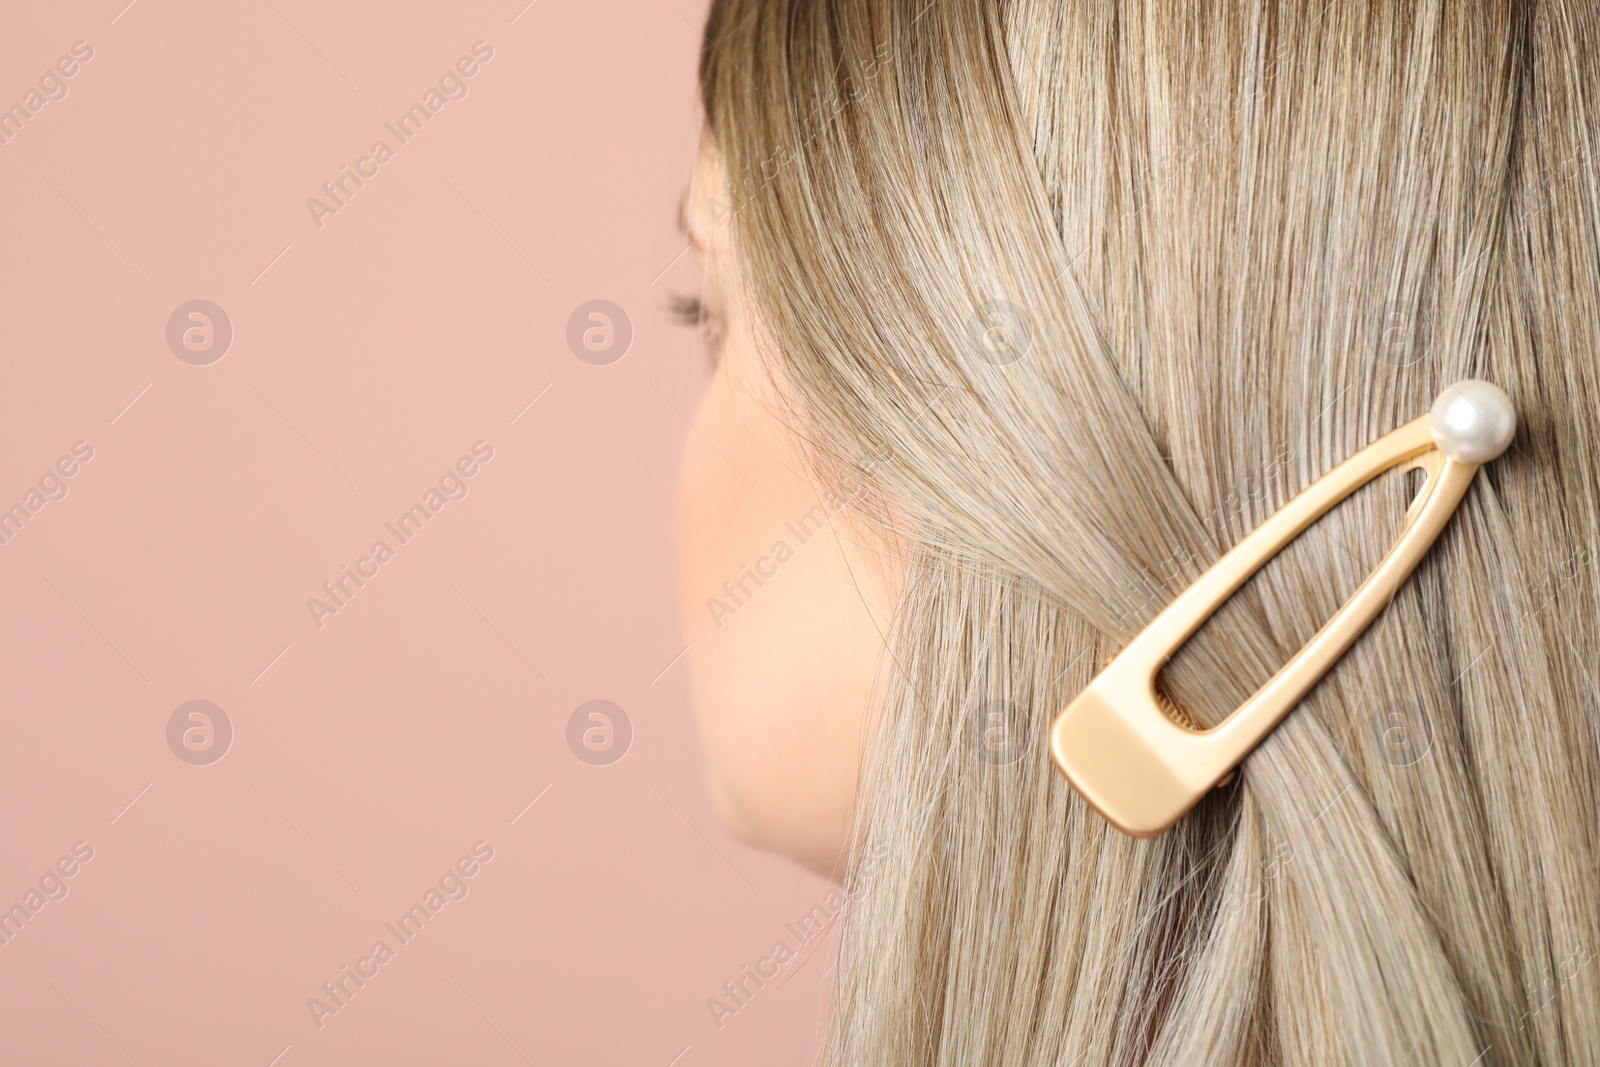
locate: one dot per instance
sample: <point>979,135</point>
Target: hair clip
<point>1138,759</point>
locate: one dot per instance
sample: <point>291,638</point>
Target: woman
<point>1045,306</point>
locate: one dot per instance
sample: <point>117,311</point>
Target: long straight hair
<point>1083,292</point>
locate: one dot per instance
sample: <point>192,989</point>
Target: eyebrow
<point>683,222</point>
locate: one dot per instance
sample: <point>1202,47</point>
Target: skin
<point>784,672</point>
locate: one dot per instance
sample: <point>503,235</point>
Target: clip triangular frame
<point>1143,771</point>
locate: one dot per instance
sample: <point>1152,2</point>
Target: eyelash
<point>688,310</point>
<point>691,311</point>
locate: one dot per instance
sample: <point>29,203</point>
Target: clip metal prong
<point>1142,770</point>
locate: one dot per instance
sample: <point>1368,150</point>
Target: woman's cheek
<point>783,647</point>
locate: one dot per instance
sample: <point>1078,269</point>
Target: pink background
<point>367,356</point>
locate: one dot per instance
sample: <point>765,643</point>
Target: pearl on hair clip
<point>1472,421</point>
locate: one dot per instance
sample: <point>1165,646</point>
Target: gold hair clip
<point>1136,757</point>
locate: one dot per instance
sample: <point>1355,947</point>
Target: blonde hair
<point>1083,292</point>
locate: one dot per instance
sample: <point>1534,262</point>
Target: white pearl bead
<point>1473,421</point>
